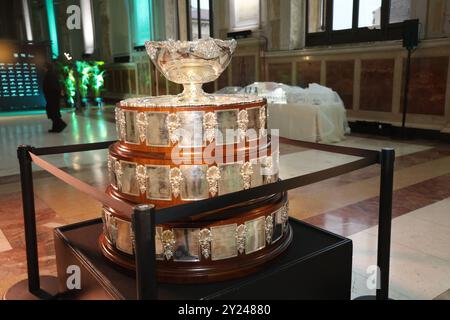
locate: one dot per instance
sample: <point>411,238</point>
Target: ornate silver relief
<point>117,117</point>
<point>168,242</point>
<point>173,124</point>
<point>241,233</point>
<point>105,227</point>
<point>120,123</point>
<point>267,166</point>
<point>262,122</point>
<point>119,173</point>
<point>205,242</point>
<point>246,174</point>
<point>215,243</point>
<point>176,178</point>
<point>111,226</point>
<point>111,166</point>
<point>268,227</point>
<point>285,215</point>
<point>132,238</point>
<point>267,162</point>
<point>107,223</point>
<point>213,177</point>
<point>141,177</point>
<point>141,121</point>
<point>209,125</point>
<point>242,124</point>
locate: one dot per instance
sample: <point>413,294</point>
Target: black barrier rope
<point>144,217</point>
<point>98,195</point>
<point>186,211</point>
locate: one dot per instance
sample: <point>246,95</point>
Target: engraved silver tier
<point>190,182</point>
<point>201,244</point>
<point>168,101</point>
<point>189,128</point>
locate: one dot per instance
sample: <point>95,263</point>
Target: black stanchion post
<point>143,220</point>
<point>29,217</point>
<point>385,220</point>
<point>405,93</point>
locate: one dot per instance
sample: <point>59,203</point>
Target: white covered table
<point>314,123</point>
<point>315,114</point>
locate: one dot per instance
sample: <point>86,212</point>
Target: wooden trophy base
<point>302,272</point>
<point>49,290</point>
<point>170,272</point>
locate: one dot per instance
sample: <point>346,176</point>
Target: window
<point>244,14</point>
<point>141,21</point>
<point>200,19</point>
<point>400,11</point>
<point>342,13</point>
<point>345,21</point>
<point>369,14</point>
<point>316,16</point>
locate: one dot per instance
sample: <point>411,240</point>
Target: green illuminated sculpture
<point>85,78</point>
<point>97,80</point>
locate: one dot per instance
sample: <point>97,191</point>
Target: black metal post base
<point>404,131</point>
<point>387,159</point>
<point>20,291</point>
<point>368,298</point>
<point>405,134</point>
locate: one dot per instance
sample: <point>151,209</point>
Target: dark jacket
<point>52,93</point>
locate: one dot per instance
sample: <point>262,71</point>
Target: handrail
<point>146,217</point>
<point>185,211</point>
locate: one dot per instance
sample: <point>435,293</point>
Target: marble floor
<point>346,205</point>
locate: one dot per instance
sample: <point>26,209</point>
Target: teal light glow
<point>26,113</point>
<point>52,27</point>
<point>21,113</point>
<point>143,21</point>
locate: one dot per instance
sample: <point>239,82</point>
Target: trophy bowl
<point>191,63</point>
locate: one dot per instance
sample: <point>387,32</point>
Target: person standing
<point>52,94</point>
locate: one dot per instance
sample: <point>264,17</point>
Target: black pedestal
<point>317,265</point>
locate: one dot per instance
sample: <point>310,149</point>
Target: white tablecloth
<point>326,123</point>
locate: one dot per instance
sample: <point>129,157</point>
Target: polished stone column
<point>104,40</point>
<point>182,20</point>
<point>221,18</point>
<point>437,21</point>
<point>170,21</point>
<point>292,24</point>
<point>120,32</point>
